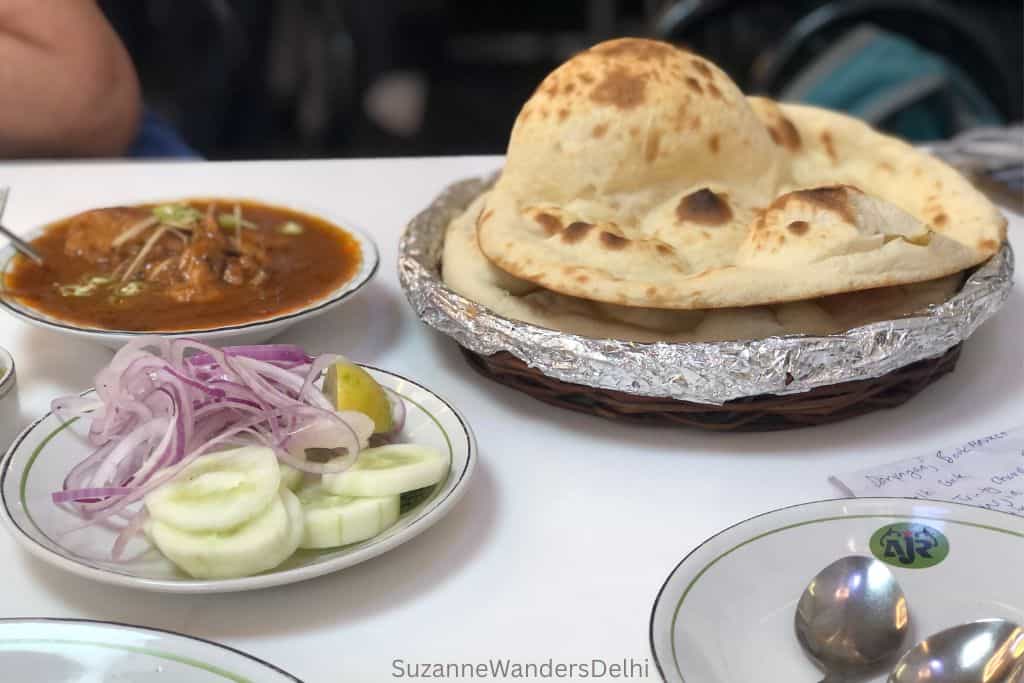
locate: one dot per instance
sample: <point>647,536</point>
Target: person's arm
<point>67,85</point>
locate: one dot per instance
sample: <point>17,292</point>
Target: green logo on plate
<point>914,546</point>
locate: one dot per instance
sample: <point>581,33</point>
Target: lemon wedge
<point>349,387</point>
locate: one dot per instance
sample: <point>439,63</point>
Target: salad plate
<point>39,459</point>
<point>725,614</point>
<point>73,650</point>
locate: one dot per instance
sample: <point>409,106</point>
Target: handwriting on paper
<point>986,472</point>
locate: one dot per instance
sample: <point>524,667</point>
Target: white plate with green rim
<point>725,613</point>
<point>39,459</point>
<point>75,650</point>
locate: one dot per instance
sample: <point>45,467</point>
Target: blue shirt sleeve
<point>157,138</point>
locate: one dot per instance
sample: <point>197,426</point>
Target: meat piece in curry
<point>91,235</point>
<point>181,266</point>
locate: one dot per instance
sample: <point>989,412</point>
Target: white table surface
<point>570,524</point>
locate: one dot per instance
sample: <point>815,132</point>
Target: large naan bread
<point>468,272</point>
<point>639,175</point>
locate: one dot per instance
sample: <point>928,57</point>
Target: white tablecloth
<point>571,523</point>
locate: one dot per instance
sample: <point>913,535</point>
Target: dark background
<point>290,78</point>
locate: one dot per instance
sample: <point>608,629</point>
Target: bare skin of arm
<point>67,85</point>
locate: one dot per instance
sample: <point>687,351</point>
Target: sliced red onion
<point>78,495</point>
<point>69,407</point>
<point>150,431</point>
<point>133,528</point>
<point>77,476</point>
<point>320,365</point>
<point>212,391</point>
<point>331,433</point>
<point>282,353</point>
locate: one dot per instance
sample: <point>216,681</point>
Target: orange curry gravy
<point>194,278</point>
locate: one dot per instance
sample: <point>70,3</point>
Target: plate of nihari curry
<point>195,469</point>
<point>216,269</point>
<point>659,247</point>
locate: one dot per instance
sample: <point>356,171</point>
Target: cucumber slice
<point>291,478</point>
<point>389,471</point>
<point>330,520</point>
<point>218,491</point>
<point>256,546</point>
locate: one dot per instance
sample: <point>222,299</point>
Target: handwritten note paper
<point>986,472</point>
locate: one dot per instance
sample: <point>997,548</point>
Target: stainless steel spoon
<point>852,617</point>
<point>19,244</point>
<point>986,651</point>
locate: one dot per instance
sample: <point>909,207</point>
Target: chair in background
<point>767,47</point>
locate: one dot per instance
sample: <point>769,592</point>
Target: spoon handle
<point>21,245</point>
